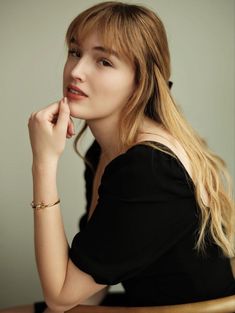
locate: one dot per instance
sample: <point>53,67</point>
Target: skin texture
<point>107,80</point>
<point>108,88</point>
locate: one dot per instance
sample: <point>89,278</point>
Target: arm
<point>63,284</point>
<point>97,298</point>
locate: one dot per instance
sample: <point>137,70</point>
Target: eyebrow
<point>99,48</point>
<point>109,51</point>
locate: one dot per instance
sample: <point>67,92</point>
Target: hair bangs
<point>113,30</point>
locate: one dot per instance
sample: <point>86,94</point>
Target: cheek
<point>117,87</point>
<point>66,74</point>
<point>64,81</point>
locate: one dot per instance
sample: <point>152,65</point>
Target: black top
<point>144,229</point>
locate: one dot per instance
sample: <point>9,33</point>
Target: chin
<point>75,113</point>
<point>75,110</point>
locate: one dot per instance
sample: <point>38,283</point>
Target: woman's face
<point>107,81</point>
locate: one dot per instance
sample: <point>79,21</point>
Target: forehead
<point>87,41</point>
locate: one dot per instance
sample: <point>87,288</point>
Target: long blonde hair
<point>139,36</point>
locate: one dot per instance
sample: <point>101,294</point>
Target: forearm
<point>64,285</point>
<point>51,246</point>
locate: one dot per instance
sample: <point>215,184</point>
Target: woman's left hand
<point>48,130</point>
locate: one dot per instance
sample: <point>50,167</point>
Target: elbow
<point>57,308</point>
<point>54,306</point>
<point>57,305</point>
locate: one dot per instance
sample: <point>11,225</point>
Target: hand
<point>48,130</point>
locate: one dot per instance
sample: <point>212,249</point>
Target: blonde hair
<point>139,36</point>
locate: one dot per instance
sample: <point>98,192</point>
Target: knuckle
<point>31,115</point>
<point>65,110</point>
<point>64,113</point>
<point>39,116</point>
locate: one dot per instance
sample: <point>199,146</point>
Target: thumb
<point>63,115</point>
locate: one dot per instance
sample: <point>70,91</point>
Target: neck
<point>106,134</point>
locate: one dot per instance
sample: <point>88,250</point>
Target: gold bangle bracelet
<point>42,205</point>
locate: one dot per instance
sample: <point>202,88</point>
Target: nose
<point>78,71</point>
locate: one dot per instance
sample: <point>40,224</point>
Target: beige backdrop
<point>201,38</point>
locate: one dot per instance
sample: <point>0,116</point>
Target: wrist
<point>44,169</point>
<point>44,176</point>
<point>44,164</point>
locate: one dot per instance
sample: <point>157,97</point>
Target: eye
<point>105,62</point>
<point>74,53</point>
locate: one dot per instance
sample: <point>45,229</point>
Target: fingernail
<point>65,99</point>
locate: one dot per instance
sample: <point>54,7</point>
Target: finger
<point>68,136</point>
<point>71,130</point>
<point>63,116</point>
<point>52,111</point>
<point>54,118</point>
<point>53,107</point>
<point>48,113</point>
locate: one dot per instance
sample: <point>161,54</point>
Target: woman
<point>160,217</point>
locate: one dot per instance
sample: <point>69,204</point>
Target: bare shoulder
<point>162,136</point>
<point>182,156</point>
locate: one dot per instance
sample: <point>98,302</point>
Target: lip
<point>70,86</point>
<point>73,96</point>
